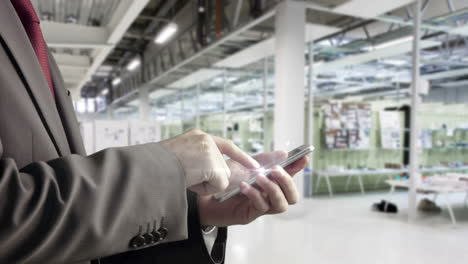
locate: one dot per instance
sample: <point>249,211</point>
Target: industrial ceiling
<point>94,40</point>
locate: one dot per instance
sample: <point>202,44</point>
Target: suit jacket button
<point>163,231</point>
<point>148,238</point>
<point>137,242</point>
<point>156,236</point>
<point>155,233</point>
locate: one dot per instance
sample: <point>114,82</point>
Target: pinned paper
<point>424,87</point>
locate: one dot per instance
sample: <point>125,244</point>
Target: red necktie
<point>30,21</point>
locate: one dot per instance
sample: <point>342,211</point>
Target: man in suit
<point>142,204</point>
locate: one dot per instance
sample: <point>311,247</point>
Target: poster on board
<point>390,130</point>
<point>109,134</point>
<point>142,132</point>
<point>347,125</point>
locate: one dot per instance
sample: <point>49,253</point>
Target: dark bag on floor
<point>385,207</point>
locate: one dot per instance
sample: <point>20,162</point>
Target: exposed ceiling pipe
<point>201,22</point>
<point>237,12</point>
<point>256,8</point>
<point>165,7</point>
<point>219,18</point>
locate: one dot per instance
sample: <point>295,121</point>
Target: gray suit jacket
<point>58,205</point>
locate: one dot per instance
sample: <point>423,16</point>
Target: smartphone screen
<point>293,156</point>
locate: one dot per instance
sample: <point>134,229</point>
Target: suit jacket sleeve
<point>79,208</point>
<point>192,250</point>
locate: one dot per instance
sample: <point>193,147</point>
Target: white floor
<point>344,230</point>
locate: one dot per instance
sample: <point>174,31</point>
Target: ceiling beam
<point>355,8</point>
<point>369,9</point>
<point>256,52</point>
<point>354,89</point>
<point>125,13</point>
<point>72,61</point>
<point>72,76</point>
<point>60,35</point>
<point>372,55</point>
<point>445,74</point>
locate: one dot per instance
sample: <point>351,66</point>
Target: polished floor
<point>344,230</point>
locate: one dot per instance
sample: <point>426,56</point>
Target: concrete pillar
<point>265,100</point>
<point>288,128</point>
<point>197,117</point>
<point>224,104</point>
<point>308,180</point>
<point>145,108</point>
<point>415,151</point>
<point>110,112</point>
<point>182,109</point>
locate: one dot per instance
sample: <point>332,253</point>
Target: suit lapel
<point>19,46</point>
<point>66,111</point>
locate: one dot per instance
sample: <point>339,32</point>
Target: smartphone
<point>293,156</point>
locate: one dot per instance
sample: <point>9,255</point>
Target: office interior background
<point>379,87</point>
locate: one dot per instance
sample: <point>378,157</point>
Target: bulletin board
<point>347,125</point>
<point>390,130</point>
<point>109,134</point>
<point>142,132</point>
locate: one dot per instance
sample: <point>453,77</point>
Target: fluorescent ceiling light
<point>429,56</point>
<point>394,42</point>
<point>395,62</point>
<point>133,64</point>
<point>324,43</point>
<point>101,73</point>
<point>116,81</point>
<point>318,64</point>
<point>105,91</point>
<point>166,33</point>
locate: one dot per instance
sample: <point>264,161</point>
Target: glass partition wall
<point>230,104</point>
<point>359,77</point>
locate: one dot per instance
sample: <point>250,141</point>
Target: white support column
<point>224,105</point>
<point>265,86</point>
<point>415,176</point>
<point>144,108</point>
<point>265,99</point>
<point>197,109</point>
<point>182,110</point>
<point>110,112</point>
<point>310,116</point>
<point>289,110</point>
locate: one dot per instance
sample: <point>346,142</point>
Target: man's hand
<point>201,156</point>
<point>271,196</point>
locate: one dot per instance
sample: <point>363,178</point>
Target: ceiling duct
<point>454,84</point>
<point>329,3</point>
